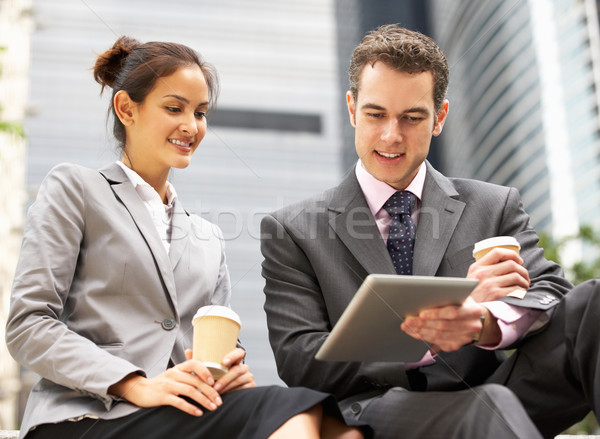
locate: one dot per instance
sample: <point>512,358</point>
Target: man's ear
<point>441,118</point>
<point>124,107</point>
<point>351,108</point>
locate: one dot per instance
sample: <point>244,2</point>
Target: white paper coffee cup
<point>482,248</point>
<point>216,330</point>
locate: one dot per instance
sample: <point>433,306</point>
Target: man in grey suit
<point>318,252</point>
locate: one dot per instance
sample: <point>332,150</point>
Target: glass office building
<point>524,107</point>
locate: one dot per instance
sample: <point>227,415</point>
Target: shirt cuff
<point>513,321</point>
<point>427,359</point>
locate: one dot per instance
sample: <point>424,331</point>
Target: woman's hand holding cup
<point>190,379</point>
<point>237,377</point>
<point>216,330</point>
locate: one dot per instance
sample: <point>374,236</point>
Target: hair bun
<point>108,64</point>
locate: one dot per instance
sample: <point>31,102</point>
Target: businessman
<point>394,213</point>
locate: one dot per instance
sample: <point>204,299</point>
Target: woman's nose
<point>189,126</point>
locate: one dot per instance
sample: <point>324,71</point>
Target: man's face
<point>394,119</point>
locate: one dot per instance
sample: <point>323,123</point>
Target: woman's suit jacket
<point>96,296</point>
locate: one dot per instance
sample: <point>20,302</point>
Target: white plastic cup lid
<point>218,311</point>
<point>495,242</point>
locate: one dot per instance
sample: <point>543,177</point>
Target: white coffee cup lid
<point>495,242</point>
<point>219,311</point>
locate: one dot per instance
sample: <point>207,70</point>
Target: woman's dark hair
<point>134,67</point>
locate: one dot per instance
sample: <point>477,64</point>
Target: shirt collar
<point>148,192</point>
<point>377,192</point>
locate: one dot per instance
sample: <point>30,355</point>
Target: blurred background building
<point>525,113</point>
<point>15,31</point>
<point>523,92</point>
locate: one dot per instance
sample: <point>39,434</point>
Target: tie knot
<point>400,202</point>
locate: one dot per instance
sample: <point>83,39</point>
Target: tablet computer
<point>369,328</point>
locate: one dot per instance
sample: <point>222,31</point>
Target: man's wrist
<point>490,334</point>
<point>477,336</point>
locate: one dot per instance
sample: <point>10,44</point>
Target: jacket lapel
<point>180,230</point>
<point>127,194</point>
<point>353,222</point>
<point>439,215</point>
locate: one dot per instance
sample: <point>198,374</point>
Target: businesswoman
<point>112,270</point>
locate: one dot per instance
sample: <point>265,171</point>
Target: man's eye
<point>375,115</point>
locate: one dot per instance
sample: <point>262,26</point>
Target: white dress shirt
<point>161,213</point>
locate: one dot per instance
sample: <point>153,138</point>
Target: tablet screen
<point>369,328</point>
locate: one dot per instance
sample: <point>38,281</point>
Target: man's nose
<point>392,131</point>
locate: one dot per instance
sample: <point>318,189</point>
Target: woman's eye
<point>173,109</point>
<point>200,114</point>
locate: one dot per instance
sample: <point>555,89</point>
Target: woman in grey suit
<point>112,269</point>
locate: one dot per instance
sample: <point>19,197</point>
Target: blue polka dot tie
<point>401,239</point>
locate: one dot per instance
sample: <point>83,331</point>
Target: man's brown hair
<point>405,51</point>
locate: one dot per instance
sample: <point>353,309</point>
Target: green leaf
<point>550,247</point>
<point>14,128</point>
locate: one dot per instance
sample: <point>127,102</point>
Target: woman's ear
<point>124,107</point>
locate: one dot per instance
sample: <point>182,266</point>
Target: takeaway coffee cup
<point>216,330</point>
<point>482,248</point>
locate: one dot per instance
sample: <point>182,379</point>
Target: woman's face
<point>166,128</point>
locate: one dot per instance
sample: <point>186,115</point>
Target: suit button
<point>168,324</point>
<point>355,408</point>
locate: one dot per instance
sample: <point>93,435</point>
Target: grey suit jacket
<point>96,296</point>
<point>317,253</point>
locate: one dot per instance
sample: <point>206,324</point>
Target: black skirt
<point>248,413</point>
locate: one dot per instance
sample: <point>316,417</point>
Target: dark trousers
<point>555,373</point>
<point>487,411</point>
<point>549,383</point>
